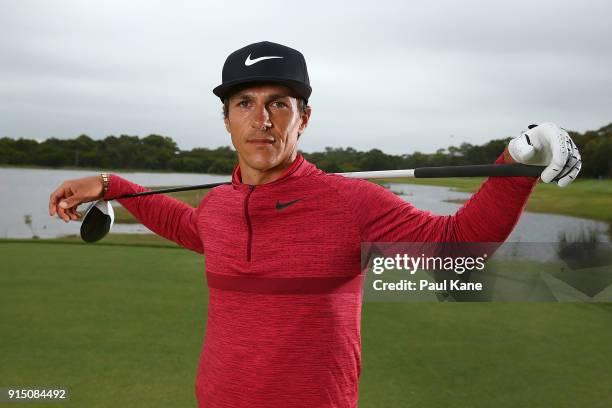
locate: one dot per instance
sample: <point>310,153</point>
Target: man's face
<point>264,122</point>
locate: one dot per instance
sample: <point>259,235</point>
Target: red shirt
<point>284,274</point>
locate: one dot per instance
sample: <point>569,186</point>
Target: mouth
<point>261,141</point>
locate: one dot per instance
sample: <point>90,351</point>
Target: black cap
<point>265,62</point>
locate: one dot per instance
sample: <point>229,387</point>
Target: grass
<point>150,240</point>
<point>583,198</point>
<point>119,326</point>
<point>485,355</point>
<point>121,323</point>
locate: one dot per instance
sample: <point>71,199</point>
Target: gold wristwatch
<point>104,183</point>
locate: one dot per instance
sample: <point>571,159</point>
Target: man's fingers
<point>573,157</point>
<point>68,214</point>
<point>571,170</point>
<point>70,202</point>
<point>57,195</point>
<point>521,149</point>
<point>551,171</point>
<point>550,145</point>
<point>61,203</point>
<point>62,214</point>
<point>573,165</point>
<point>64,201</point>
<point>571,176</point>
<point>67,207</point>
<point>74,214</point>
<point>51,205</point>
<point>560,148</point>
<point>567,170</point>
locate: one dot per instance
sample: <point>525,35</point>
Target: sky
<point>400,76</point>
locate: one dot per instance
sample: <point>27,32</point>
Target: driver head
<point>98,221</point>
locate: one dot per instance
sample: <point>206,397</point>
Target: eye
<point>279,104</point>
<point>244,103</point>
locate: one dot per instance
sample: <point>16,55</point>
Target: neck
<point>255,177</point>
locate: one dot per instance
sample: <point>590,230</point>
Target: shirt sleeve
<point>165,216</point>
<point>488,216</point>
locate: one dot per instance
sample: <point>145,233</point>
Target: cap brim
<point>227,89</point>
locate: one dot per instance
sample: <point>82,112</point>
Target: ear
<point>227,125</point>
<point>305,117</point>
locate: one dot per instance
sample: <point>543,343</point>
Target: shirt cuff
<point>118,186</point>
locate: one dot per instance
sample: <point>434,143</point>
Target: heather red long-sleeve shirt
<point>284,274</point>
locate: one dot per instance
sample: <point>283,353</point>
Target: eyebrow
<point>278,96</point>
<point>250,96</point>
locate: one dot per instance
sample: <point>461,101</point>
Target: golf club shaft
<point>172,190</point>
<point>480,170</point>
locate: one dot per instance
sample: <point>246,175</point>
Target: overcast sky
<point>395,75</point>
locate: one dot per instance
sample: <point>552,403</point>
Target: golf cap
<point>265,62</point>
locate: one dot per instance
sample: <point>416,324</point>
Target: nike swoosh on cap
<point>248,61</point>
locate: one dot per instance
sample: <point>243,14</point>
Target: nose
<point>261,119</point>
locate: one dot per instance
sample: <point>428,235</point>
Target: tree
<point>162,153</point>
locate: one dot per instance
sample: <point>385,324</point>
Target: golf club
<point>99,217</point>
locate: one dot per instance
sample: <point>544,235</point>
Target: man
<point>282,242</point>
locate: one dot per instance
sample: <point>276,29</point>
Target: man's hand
<point>548,145</point>
<point>65,199</point>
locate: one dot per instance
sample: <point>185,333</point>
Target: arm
<point>166,216</point>
<point>491,213</point>
<point>488,216</point>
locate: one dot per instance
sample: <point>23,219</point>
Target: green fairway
<point>152,240</point>
<point>122,326</point>
<point>119,326</point>
<point>486,355</point>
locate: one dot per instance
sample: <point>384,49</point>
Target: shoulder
<point>347,185</point>
<point>214,193</point>
<point>360,194</point>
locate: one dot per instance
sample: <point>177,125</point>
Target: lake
<point>26,192</point>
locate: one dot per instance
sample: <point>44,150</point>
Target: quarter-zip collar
<point>299,167</point>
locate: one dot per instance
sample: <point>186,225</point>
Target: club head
<point>98,221</point>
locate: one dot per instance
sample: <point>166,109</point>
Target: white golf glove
<point>548,145</point>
